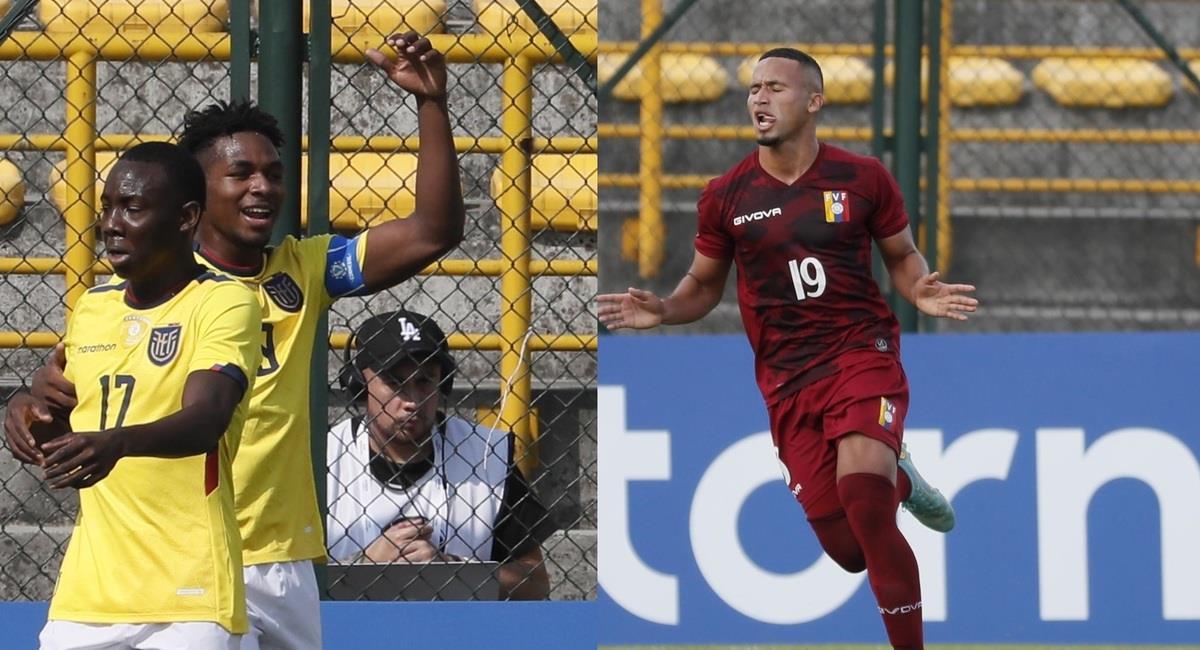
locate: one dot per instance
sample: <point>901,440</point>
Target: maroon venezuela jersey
<point>803,256</point>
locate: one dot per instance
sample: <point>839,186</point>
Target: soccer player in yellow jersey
<point>162,362</point>
<point>297,281</point>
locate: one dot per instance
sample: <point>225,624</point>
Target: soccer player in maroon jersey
<point>797,217</point>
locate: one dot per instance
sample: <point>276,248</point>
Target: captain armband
<point>343,272</point>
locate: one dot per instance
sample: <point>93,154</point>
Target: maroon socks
<point>870,503</point>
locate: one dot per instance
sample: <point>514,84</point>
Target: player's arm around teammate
<point>79,460</point>
<point>45,409</point>
<point>399,248</point>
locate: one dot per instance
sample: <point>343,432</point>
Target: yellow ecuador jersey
<point>156,541</point>
<point>272,473</point>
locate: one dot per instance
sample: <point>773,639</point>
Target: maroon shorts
<point>868,396</point>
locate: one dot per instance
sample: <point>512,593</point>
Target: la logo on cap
<point>408,331</point>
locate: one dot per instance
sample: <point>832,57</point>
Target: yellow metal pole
<point>470,341</point>
<point>10,340</point>
<point>945,234</point>
<point>44,265</point>
<point>80,176</point>
<point>516,114</point>
<point>458,341</point>
<point>852,49</point>
<point>1114,185</point>
<point>651,234</point>
<point>726,132</point>
<point>862,134</point>
<point>452,267</point>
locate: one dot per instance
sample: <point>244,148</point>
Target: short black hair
<point>220,119</point>
<point>185,177</point>
<point>802,58</point>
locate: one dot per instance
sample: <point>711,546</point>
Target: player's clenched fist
<point>418,68</point>
<point>82,460</point>
<point>634,309</point>
<point>395,542</point>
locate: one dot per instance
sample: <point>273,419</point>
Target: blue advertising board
<point>1071,459</point>
<point>387,626</point>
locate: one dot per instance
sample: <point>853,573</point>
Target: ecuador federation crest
<point>164,344</point>
<point>284,292</point>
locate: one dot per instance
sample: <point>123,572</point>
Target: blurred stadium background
<point>80,80</point>
<point>1061,156</point>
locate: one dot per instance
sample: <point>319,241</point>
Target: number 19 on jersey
<point>808,276</point>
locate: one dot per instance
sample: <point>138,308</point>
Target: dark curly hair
<point>185,178</point>
<point>202,127</point>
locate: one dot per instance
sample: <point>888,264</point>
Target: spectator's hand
<point>636,309</point>
<point>51,385</point>
<point>943,300</point>
<point>81,460</point>
<point>393,545</point>
<point>419,69</point>
<point>22,411</point>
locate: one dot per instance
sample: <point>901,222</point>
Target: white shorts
<point>199,635</point>
<point>284,606</point>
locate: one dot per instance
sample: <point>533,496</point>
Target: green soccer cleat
<point>926,502</point>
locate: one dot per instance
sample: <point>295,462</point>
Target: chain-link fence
<point>83,80</point>
<point>1067,190</point>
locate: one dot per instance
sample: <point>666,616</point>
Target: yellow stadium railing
<point>651,131</point>
<point>516,146</point>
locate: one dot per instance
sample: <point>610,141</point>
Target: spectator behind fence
<point>409,484</point>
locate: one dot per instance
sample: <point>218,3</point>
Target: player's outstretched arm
<point>525,577</point>
<point>399,248</point>
<point>697,294</point>
<point>209,399</point>
<point>911,277</point>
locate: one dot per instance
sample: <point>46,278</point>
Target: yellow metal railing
<point>516,146</point>
<point>651,230</point>
<point>650,130</point>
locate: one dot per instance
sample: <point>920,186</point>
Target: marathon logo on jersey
<point>757,216</point>
<point>887,413</point>
<point>164,344</point>
<point>284,292</point>
<point>837,207</point>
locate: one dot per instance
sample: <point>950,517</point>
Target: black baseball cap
<point>385,340</point>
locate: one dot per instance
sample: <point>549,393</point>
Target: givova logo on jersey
<point>757,215</point>
<point>163,344</point>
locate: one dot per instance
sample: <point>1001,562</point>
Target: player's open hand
<point>81,460</point>
<point>51,385</point>
<point>22,412</point>
<point>634,309</point>
<point>942,300</point>
<point>418,68</point>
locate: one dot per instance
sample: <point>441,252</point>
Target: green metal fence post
<point>241,50</point>
<point>932,136</point>
<point>319,71</point>
<point>878,144</point>
<point>280,65</point>
<point>906,163</point>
